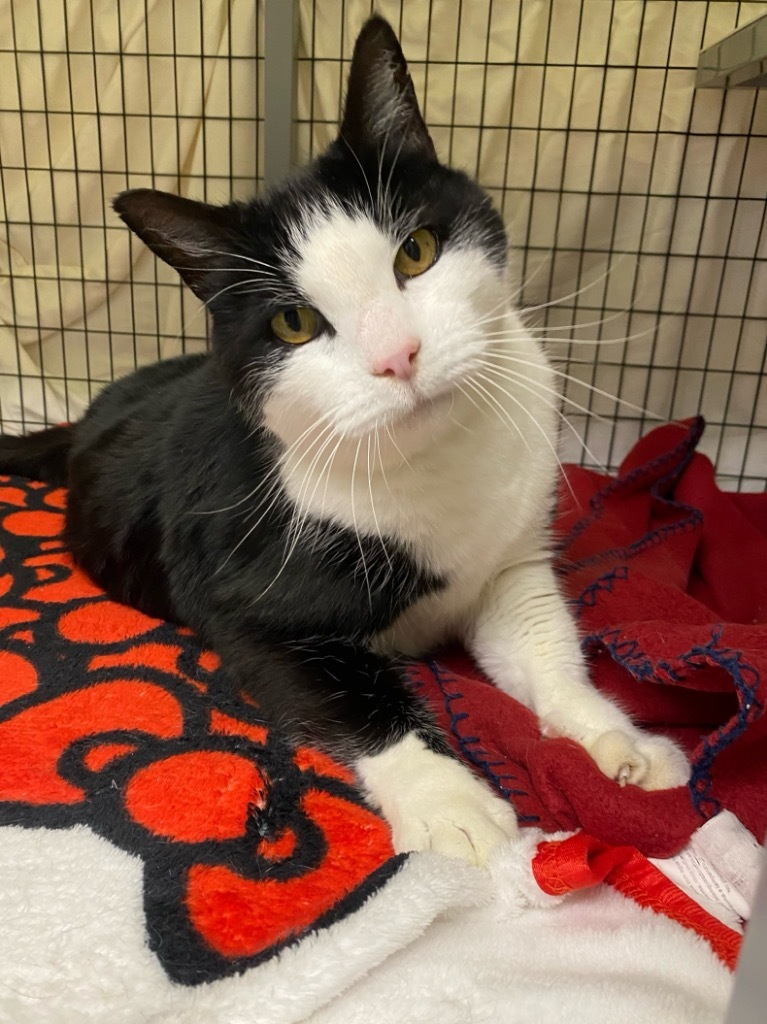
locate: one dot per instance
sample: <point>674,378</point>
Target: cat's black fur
<point>160,467</point>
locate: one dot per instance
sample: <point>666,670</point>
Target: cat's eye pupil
<point>412,249</point>
<point>292,319</point>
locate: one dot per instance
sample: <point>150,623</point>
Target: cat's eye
<point>417,253</point>
<point>296,326</point>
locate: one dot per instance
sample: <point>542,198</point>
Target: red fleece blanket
<point>668,578</point>
<point>118,721</point>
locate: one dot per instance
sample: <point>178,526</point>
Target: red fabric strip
<point>583,861</point>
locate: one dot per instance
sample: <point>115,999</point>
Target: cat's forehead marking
<point>342,256</point>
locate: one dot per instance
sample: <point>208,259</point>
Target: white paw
<point>464,820</point>
<point>433,802</point>
<point>652,762</point>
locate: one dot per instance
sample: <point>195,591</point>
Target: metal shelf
<point>737,61</point>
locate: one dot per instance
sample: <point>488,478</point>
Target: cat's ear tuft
<point>190,236</point>
<point>381,106</point>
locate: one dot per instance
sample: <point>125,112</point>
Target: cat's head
<point>359,294</point>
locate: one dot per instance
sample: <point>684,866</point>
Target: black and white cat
<point>339,483</point>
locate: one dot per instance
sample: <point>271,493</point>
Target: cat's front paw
<point>462,820</point>
<point>433,802</point>
<point>652,762</point>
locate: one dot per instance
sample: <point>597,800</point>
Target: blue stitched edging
<point>745,679</point>
<point>630,655</point>
<point>588,598</point>
<point>693,519</point>
<point>469,745</point>
<point>679,458</point>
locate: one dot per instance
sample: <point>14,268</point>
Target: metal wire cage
<point>636,203</point>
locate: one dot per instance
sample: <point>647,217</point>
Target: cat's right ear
<point>381,109</point>
<point>190,236</point>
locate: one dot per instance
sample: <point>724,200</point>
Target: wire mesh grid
<point>96,97</point>
<point>636,204</point>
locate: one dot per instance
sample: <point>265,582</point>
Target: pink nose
<point>399,364</point>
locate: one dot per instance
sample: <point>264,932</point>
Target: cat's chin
<point>426,408</point>
<point>421,411</point>
<point>423,422</point>
<point>421,427</point>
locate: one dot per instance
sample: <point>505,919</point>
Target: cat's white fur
<point>466,480</point>
<point>445,807</point>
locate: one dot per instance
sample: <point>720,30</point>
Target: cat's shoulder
<point>157,384</point>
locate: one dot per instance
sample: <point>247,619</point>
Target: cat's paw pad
<point>652,762</point>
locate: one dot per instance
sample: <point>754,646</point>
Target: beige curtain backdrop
<point>97,96</point>
<point>637,203</point>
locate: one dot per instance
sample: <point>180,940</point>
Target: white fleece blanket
<point>593,957</point>
<point>440,942</point>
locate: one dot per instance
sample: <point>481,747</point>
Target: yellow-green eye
<point>297,325</point>
<point>417,253</point>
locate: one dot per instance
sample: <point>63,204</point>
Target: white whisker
<point>275,468</point>
<point>535,422</point>
<point>372,504</point>
<point>381,463</point>
<point>468,398</point>
<point>524,382</point>
<point>572,295</point>
<point>276,485</point>
<point>364,176</point>
<point>356,529</point>
<point>401,454</point>
<point>304,506</point>
<point>576,380</point>
<point>329,467</point>
<point>531,277</point>
<point>503,413</point>
<point>234,256</point>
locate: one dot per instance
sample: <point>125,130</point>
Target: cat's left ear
<point>381,106</point>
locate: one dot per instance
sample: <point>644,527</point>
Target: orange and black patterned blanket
<point>123,723</point>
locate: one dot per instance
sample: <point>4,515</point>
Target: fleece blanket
<point>164,847</point>
<point>525,957</point>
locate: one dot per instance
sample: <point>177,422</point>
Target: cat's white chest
<point>484,506</point>
<point>461,507</point>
